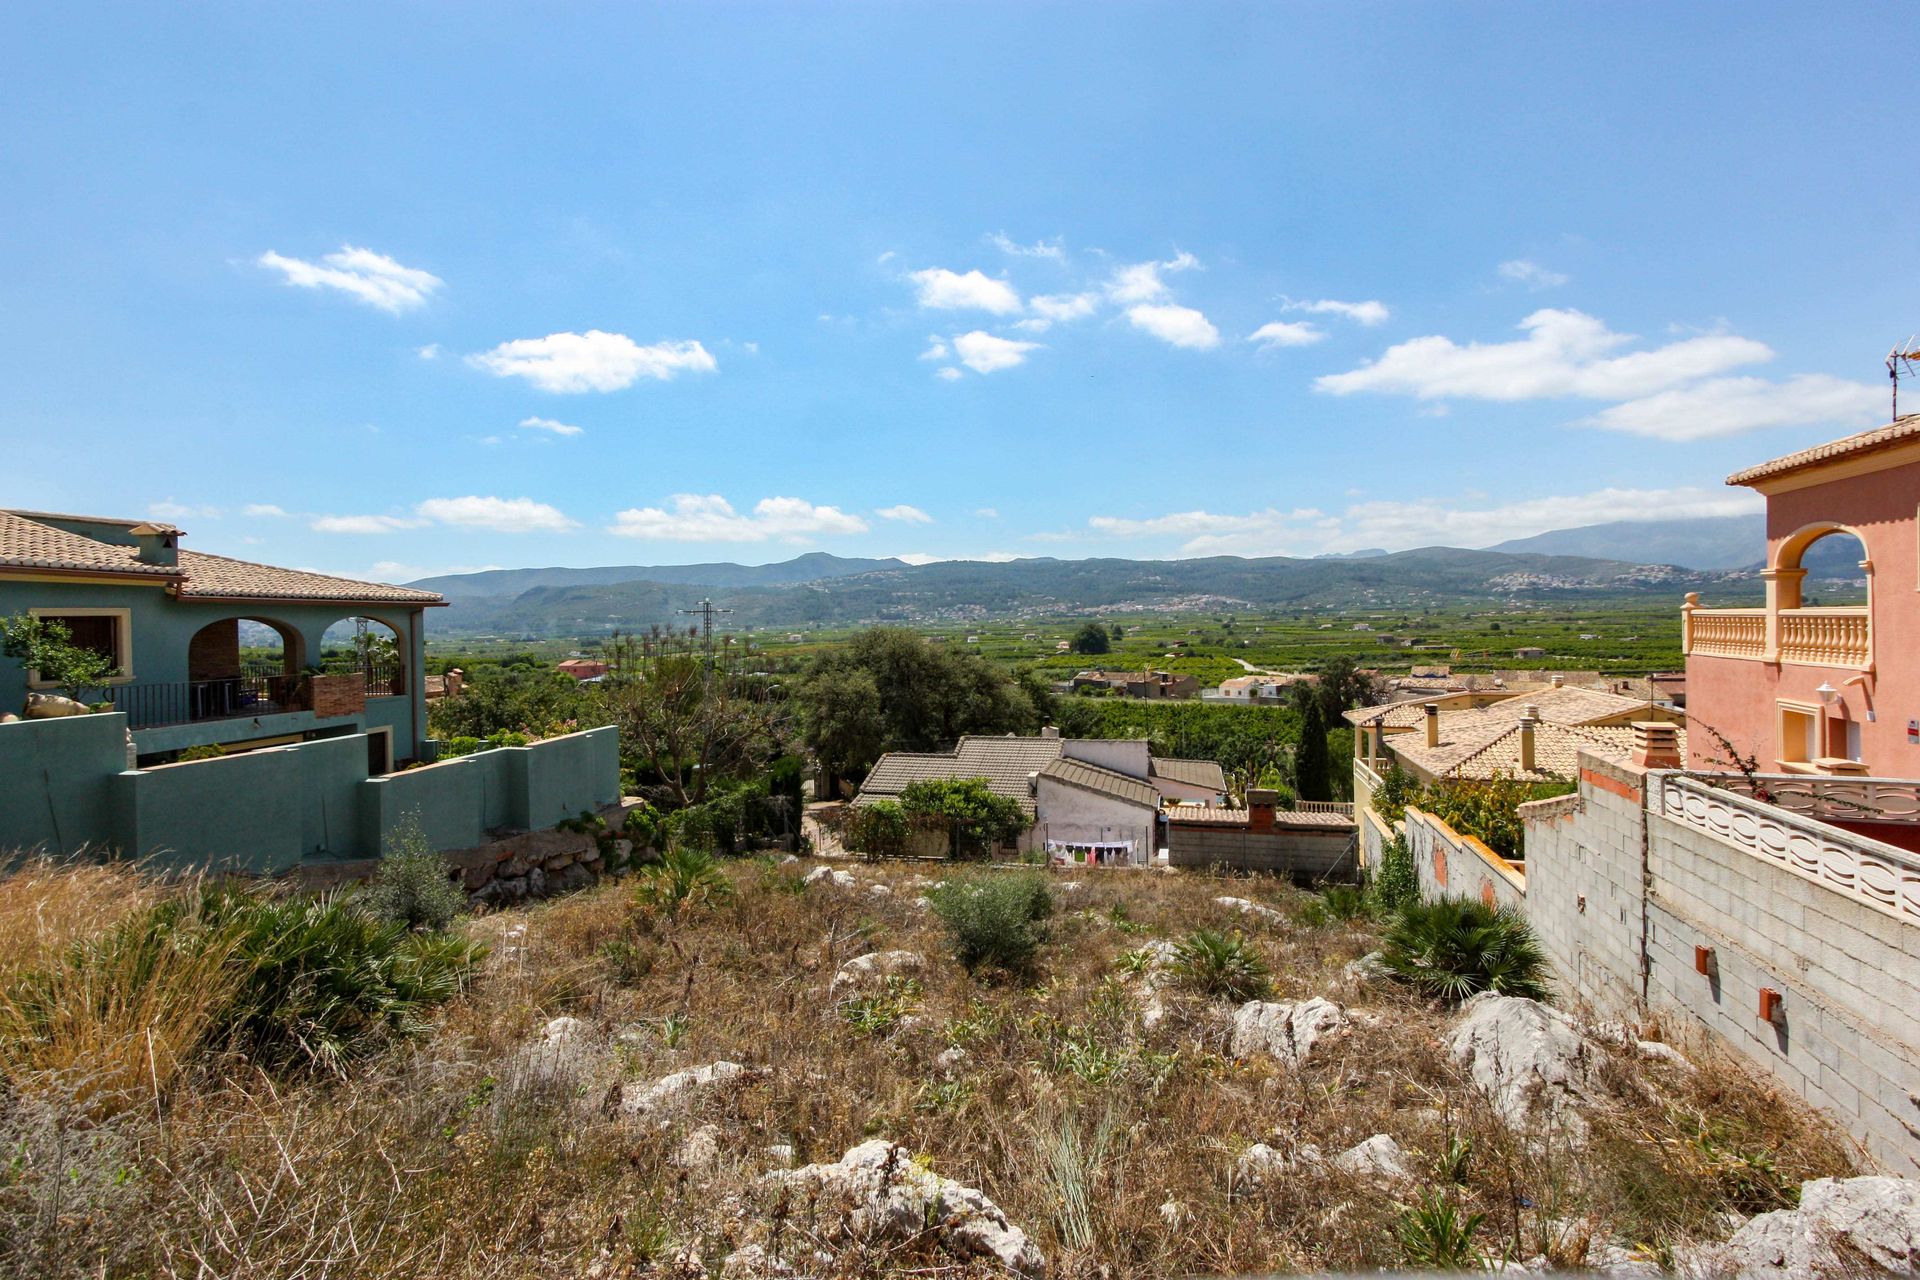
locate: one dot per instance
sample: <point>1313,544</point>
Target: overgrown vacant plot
<point>565,1116</point>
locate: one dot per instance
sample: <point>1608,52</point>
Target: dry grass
<point>46,905</point>
<point>1113,1147</point>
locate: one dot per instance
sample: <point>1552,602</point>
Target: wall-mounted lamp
<point>1828,694</point>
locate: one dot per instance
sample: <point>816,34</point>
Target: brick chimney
<point>1656,745</point>
<point>1433,725</point>
<point>1529,721</point>
<point>1260,806</point>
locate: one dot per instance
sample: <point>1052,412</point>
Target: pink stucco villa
<point>1820,690</point>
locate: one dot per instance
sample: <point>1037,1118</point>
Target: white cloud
<point>168,509</point>
<point>912,515</point>
<point>1728,406</point>
<point>985,353</point>
<point>944,290</point>
<point>429,352</point>
<point>711,518</point>
<point>988,513</point>
<point>1039,249</point>
<point>1283,333</point>
<point>1525,271</point>
<point>1174,324</point>
<point>1565,353</point>
<point>362,524</point>
<point>1369,313</point>
<point>500,515</point>
<point>549,425</point>
<point>1141,282</point>
<point>936,349</point>
<point>262,511</point>
<point>1421,522</point>
<point>948,374</point>
<point>373,278</point>
<point>1056,308</point>
<point>591,361</point>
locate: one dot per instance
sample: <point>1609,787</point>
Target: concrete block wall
<point>1451,865</point>
<point>54,781</point>
<point>1585,885</point>
<point>1302,854</point>
<point>1620,898</point>
<point>1848,1035</point>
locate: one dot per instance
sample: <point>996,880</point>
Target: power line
<point>705,611</point>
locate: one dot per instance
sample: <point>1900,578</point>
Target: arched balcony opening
<point>374,649</point>
<point>1819,609</point>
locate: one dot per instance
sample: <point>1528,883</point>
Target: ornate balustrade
<point>1879,874</point>
<point>1727,633</point>
<point>1825,637</point>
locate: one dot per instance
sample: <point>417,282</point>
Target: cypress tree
<point>1310,778</point>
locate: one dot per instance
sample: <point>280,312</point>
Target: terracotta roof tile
<point>1899,431</point>
<point>1089,777</point>
<point>1194,773</point>
<point>26,543</point>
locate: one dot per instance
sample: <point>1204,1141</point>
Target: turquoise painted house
<point>311,685</point>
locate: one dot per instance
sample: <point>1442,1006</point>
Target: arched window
<point>370,647</point>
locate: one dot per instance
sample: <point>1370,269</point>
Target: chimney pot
<point>1051,731</point>
<point>1433,725</point>
<point>1260,806</point>
<point>1656,745</point>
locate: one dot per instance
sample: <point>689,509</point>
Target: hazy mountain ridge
<point>957,591</point>
<point>812,567</point>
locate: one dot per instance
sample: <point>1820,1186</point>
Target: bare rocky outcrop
<point>831,878</point>
<point>1260,1161</point>
<point>1531,1061</point>
<point>876,1195</point>
<point>866,972</point>
<point>679,1090</point>
<point>565,1054</point>
<point>1841,1224</point>
<point>1266,915</point>
<point>1286,1029</point>
<point>1156,975</point>
<point>1379,1158</point>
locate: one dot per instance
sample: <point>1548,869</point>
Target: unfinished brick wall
<point>214,651</point>
<point>339,695</point>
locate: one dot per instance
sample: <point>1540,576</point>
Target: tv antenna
<point>705,611</point>
<point>1900,364</point>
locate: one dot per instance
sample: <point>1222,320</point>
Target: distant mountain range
<point>1715,544</point>
<point>834,591</point>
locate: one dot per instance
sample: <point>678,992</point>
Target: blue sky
<point>396,289</point>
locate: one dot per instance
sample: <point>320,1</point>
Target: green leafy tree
<point>889,690</point>
<point>690,718</point>
<point>1092,638</point>
<point>1310,764</point>
<point>976,819</point>
<point>46,646</point>
<point>414,884</point>
<point>879,830</point>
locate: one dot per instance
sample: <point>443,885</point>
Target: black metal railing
<point>385,679</point>
<point>148,706</point>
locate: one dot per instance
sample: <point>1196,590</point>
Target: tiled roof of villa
<point>1565,705</point>
<point>28,544</point>
<point>1194,773</point>
<point>1556,751</point>
<point>1091,777</point>
<point>1192,814</point>
<point>1899,431</point>
<point>1003,762</point>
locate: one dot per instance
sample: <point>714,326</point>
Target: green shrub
<point>205,751</point>
<point>1394,882</point>
<point>1224,966</point>
<point>1453,948</point>
<point>642,826</point>
<point>682,878</point>
<point>507,738</point>
<point>460,746</point>
<point>1435,1236</point>
<point>323,983</point>
<point>413,885</point>
<point>1338,904</point>
<point>879,830</point>
<point>976,817</point>
<point>994,921</point>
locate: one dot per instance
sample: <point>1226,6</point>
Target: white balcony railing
<point>1872,871</point>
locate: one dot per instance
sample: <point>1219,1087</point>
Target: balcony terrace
<point>1813,637</point>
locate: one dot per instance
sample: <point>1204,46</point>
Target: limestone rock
<point>866,971</point>
<point>51,706</point>
<point>1530,1060</point>
<point>699,1151</point>
<point>1839,1221</point>
<point>752,1262</point>
<point>1379,1158</point>
<point>877,1193</point>
<point>1287,1029</point>
<point>950,1060</point>
<point>1368,968</point>
<point>833,879</point>
<point>1654,1051</point>
<point>1254,909</point>
<point>563,1054</point>
<point>679,1089</point>
<point>879,891</point>
<point>1259,1160</point>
